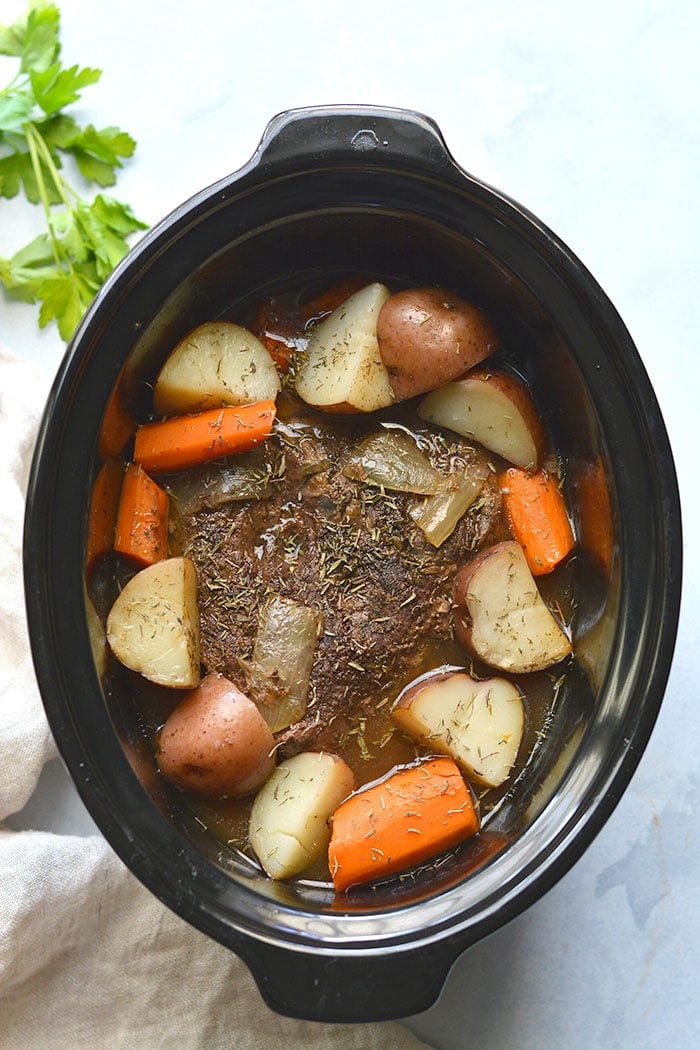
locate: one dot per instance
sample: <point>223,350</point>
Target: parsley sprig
<point>64,267</point>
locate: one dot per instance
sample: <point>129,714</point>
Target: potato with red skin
<point>428,337</point>
<point>341,369</point>
<point>500,615</point>
<point>494,408</point>
<point>216,743</point>
<point>477,722</point>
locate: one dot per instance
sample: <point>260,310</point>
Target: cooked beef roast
<point>342,546</point>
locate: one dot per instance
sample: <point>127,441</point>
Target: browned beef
<point>344,547</point>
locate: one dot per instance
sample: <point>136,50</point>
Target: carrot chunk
<point>184,441</point>
<point>402,821</point>
<point>328,301</point>
<point>103,511</point>
<point>280,332</point>
<point>118,425</point>
<point>537,516</point>
<point>282,329</point>
<point>595,509</point>
<point>142,519</point>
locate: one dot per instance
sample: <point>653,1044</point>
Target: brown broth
<point>375,744</point>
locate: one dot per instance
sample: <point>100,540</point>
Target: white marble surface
<point>589,116</point>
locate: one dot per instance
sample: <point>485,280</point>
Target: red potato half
<point>477,723</point>
<point>216,743</point>
<point>493,408</point>
<point>428,337</point>
<point>341,370</point>
<point>500,616</point>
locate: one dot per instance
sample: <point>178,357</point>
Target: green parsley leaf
<point>20,170</point>
<point>116,215</point>
<point>64,267</point>
<point>56,87</point>
<point>68,233</point>
<point>98,153</point>
<point>59,131</point>
<point>65,298</point>
<point>15,107</point>
<point>12,38</point>
<point>33,38</point>
<point>28,268</point>
<point>17,172</point>
<point>108,244</point>
<point>40,44</point>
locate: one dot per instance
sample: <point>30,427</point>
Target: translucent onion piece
<point>97,636</point>
<point>438,516</point>
<point>391,460</point>
<point>243,477</point>
<point>282,660</point>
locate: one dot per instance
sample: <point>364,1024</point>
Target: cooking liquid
<point>377,745</point>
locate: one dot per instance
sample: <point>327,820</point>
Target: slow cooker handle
<point>397,983</point>
<point>357,132</point>
<point>350,989</point>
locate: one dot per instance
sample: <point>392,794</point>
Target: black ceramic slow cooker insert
<point>364,190</point>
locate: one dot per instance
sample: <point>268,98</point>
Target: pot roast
<point>343,547</point>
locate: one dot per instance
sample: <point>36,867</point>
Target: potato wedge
<point>477,723</point>
<point>153,626</point>
<point>216,364</point>
<point>500,616</point>
<point>289,823</point>
<point>342,370</point>
<point>216,743</point>
<point>493,408</point>
<point>429,336</point>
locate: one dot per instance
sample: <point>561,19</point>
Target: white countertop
<point>588,116</point>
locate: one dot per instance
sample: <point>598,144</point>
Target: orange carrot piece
<point>595,511</point>
<point>281,330</point>
<point>142,519</point>
<point>537,516</point>
<point>280,348</point>
<point>118,425</point>
<point>184,441</point>
<point>280,333</point>
<point>400,822</point>
<point>328,301</point>
<point>103,511</point>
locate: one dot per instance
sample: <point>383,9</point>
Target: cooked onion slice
<point>391,460</point>
<point>438,516</point>
<point>246,476</point>
<point>282,660</point>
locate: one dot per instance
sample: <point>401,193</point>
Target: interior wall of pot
<point>309,251</point>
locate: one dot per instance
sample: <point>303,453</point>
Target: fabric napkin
<point>88,957</point>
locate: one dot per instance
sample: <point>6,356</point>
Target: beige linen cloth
<point>88,957</point>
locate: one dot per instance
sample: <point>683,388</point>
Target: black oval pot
<point>364,190</point>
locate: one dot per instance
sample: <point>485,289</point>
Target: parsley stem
<point>43,161</point>
<point>10,86</point>
<point>32,135</point>
<point>45,156</point>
